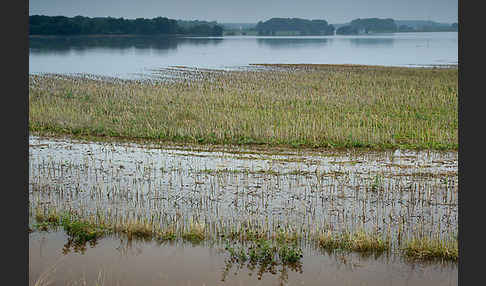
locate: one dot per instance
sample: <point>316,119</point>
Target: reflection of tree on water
<point>371,42</point>
<point>63,45</point>
<point>293,42</point>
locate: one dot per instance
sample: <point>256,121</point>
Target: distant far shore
<point>116,36</point>
<point>181,35</point>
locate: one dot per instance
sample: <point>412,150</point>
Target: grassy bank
<point>294,105</point>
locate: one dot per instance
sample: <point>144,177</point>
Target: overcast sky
<point>252,11</point>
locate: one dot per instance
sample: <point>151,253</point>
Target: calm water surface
<point>119,262</point>
<point>132,57</point>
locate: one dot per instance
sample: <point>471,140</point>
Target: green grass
<point>82,231</point>
<point>78,229</point>
<point>432,249</point>
<point>330,106</point>
<point>264,252</point>
<point>195,234</point>
<point>359,241</point>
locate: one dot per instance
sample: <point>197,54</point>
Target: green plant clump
<point>264,252</point>
<point>359,241</point>
<point>429,249</point>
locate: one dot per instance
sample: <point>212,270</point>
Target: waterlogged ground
<point>397,193</point>
<point>116,261</point>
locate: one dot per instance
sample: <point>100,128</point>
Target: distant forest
<point>296,26</point>
<point>376,25</point>
<point>79,25</point>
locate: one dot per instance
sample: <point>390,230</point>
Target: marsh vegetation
<point>291,105</point>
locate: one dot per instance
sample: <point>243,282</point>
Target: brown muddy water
<point>400,193</point>
<point>118,262</point>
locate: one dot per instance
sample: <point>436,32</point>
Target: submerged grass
<point>251,243</point>
<point>201,206</point>
<point>158,198</point>
<point>299,106</point>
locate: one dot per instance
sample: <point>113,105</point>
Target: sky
<point>252,11</point>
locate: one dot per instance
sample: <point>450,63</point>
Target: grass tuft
<point>359,241</point>
<point>432,248</point>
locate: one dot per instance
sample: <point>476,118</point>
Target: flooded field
<point>351,217</point>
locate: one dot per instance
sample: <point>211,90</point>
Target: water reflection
<point>281,271</point>
<point>73,245</point>
<point>64,45</point>
<point>372,42</point>
<point>134,57</point>
<point>134,247</point>
<point>290,43</point>
<point>137,262</point>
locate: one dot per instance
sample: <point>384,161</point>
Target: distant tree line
<point>368,25</point>
<point>376,25</point>
<point>301,26</point>
<point>434,28</point>
<point>79,25</point>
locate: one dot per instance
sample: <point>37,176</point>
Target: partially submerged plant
<point>424,248</point>
<point>139,230</point>
<point>196,232</point>
<point>264,251</point>
<point>359,241</point>
<point>80,230</point>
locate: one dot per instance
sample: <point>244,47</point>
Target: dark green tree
<point>79,25</point>
<point>303,26</point>
<point>347,30</point>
